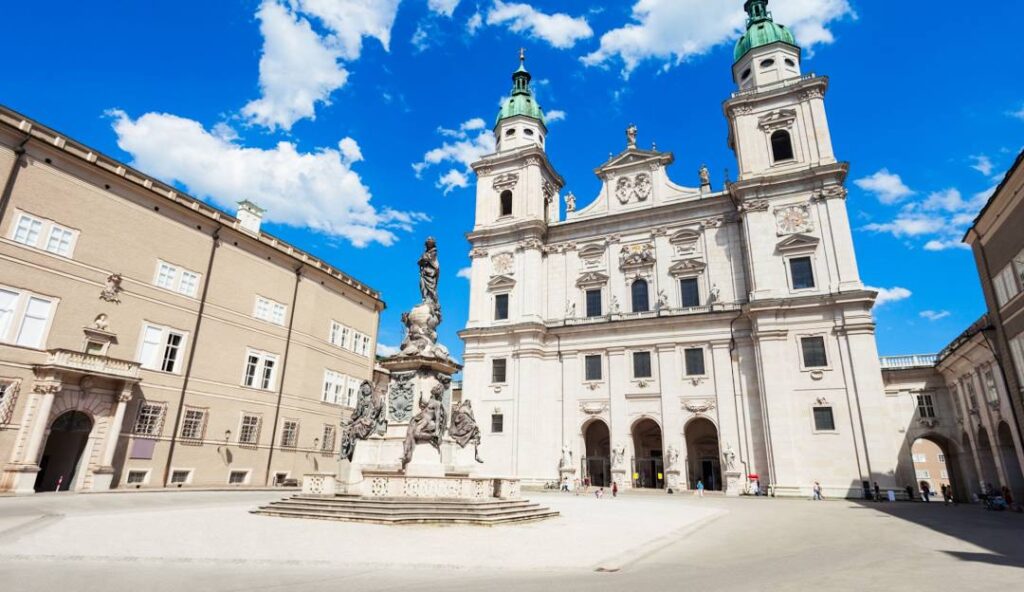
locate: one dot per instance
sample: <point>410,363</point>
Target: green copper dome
<point>521,102</point>
<point>761,30</point>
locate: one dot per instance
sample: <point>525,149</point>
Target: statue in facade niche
<point>618,455</point>
<point>367,418</point>
<point>566,460</point>
<point>672,458</point>
<point>464,429</point>
<point>729,456</point>
<point>714,295</point>
<point>705,175</point>
<point>570,202</point>
<point>427,426</point>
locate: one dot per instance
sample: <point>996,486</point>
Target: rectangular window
<point>497,423</point>
<point>1006,285</point>
<point>60,240</point>
<point>136,477</point>
<point>238,477</point>
<point>166,275</point>
<point>33,325</point>
<point>327,441</point>
<point>592,367</point>
<point>594,303</point>
<point>352,391</point>
<point>334,336</point>
<point>8,302</point>
<point>1017,350</point>
<point>27,230</point>
<point>180,477</point>
<point>334,387</point>
<point>814,352</point>
<point>6,402</point>
<point>270,311</point>
<point>991,392</point>
<point>694,361</point>
<point>942,458</point>
<point>360,343</point>
<point>499,367</point>
<point>193,424</point>
<point>943,474</point>
<point>249,431</point>
<point>161,348</point>
<point>500,307</point>
<point>641,364</point>
<point>801,272</point>
<point>150,419</point>
<point>925,406</point>
<point>690,291</point>
<point>189,283</point>
<point>920,458</point>
<point>824,421</point>
<point>923,474</point>
<point>972,397</point>
<point>1018,263</point>
<point>289,434</point>
<point>259,370</point>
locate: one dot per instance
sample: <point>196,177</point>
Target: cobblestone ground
<point>209,541</point>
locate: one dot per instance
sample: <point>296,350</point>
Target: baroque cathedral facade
<point>663,335</point>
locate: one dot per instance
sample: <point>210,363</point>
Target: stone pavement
<point>207,541</point>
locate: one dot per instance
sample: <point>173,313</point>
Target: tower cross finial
<point>522,55</point>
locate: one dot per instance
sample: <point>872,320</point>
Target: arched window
<point>782,146</point>
<point>506,203</point>
<point>641,303</point>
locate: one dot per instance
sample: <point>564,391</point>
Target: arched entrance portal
<point>597,463</point>
<point>989,473</point>
<point>68,436</point>
<point>1008,453</point>
<point>648,468</point>
<point>702,455</point>
<point>937,463</point>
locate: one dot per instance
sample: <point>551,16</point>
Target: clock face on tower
<point>793,219</point>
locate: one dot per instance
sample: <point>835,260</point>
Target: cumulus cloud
<point>1018,114</point>
<point>445,7</point>
<point>465,272</point>
<point>942,218</point>
<point>982,164</point>
<point>317,190</point>
<point>887,187</point>
<point>559,29</point>
<point>887,295</point>
<point>934,315</point>
<point>554,115</point>
<point>673,31</point>
<point>474,23</point>
<point>300,67</point>
<point>466,144</point>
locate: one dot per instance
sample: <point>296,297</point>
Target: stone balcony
<point>907,362</point>
<point>75,362</point>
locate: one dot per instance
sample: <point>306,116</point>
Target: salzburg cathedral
<point>661,335</point>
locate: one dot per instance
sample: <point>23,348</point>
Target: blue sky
<point>353,121</point>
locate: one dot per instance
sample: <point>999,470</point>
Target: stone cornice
<point>786,184</point>
<point>512,232</point>
<point>498,159</point>
<point>813,86</point>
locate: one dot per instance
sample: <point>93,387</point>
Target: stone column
<point>25,467</point>
<point>104,474</point>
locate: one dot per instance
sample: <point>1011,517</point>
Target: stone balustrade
<point>66,359</point>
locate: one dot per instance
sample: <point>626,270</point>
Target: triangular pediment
<point>634,157</point>
<point>687,266</point>
<point>501,282</point>
<point>592,278</point>
<point>798,242</point>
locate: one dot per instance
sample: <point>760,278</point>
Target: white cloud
<point>943,217</point>
<point>1018,114</point>
<point>465,272</point>
<point>982,164</point>
<point>386,350</point>
<point>445,7</point>
<point>909,224</point>
<point>555,115</point>
<point>559,29</point>
<point>474,23</point>
<point>317,190</point>
<point>945,244</point>
<point>420,38</point>
<point>300,68</point>
<point>887,187</point>
<point>674,31</point>
<point>470,142</point>
<point>887,295</point>
<point>934,315</point>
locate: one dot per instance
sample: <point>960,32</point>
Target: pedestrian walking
<point>756,487</point>
<point>926,491</point>
<point>878,492</point>
<point>700,488</point>
<point>615,489</point>
<point>599,493</point>
<point>817,492</point>
<point>575,486</point>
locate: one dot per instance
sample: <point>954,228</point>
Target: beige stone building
<point>149,340</point>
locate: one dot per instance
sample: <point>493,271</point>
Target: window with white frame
<point>289,433</point>
<point>499,370</point>
<point>689,292</point>
<point>1005,283</point>
<point>923,474</point>
<point>925,406</point>
<point>269,310</point>
<point>249,429</point>
<point>801,272</point>
<point>260,369</point>
<point>813,352</point>
<point>943,474</point>
<point>972,397</point>
<point>162,348</point>
<point>193,424</point>
<point>361,343</point>
<point>150,420</point>
<point>176,279</point>
<point>942,458</point>
<point>7,390</point>
<point>238,477</point>
<point>920,457</point>
<point>1018,264</point>
<point>39,233</point>
<point>24,317</point>
<point>991,392</point>
<point>339,335</point>
<point>327,439</point>
<point>642,364</point>
<point>694,358</point>
<point>335,384</point>
<point>824,419</point>
<point>592,367</point>
<point>137,477</point>
<point>1017,349</point>
<point>180,476</point>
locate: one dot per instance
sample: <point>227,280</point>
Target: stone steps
<point>407,511</point>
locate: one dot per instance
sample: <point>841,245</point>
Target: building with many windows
<point>149,340</point>
<point>660,335</point>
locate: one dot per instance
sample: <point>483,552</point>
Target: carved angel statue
<point>368,417</point>
<point>714,295</point>
<point>570,309</point>
<point>631,136</point>
<point>729,457</point>
<point>673,456</point>
<point>430,271</point>
<point>614,305</point>
<point>618,455</point>
<point>464,429</point>
<point>427,426</point>
<point>662,302</point>
<point>570,202</point>
<point>705,175</point>
<point>112,289</point>
<point>566,461</point>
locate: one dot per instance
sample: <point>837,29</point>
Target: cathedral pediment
<point>593,278</point>
<point>634,158</point>
<point>686,267</point>
<point>798,242</point>
<point>501,282</point>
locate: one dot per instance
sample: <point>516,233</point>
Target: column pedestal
<point>733,483</point>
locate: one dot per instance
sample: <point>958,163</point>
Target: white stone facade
<point>743,280</point>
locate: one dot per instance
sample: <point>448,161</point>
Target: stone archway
<point>62,456</point>
<point>597,458</point>
<point>703,456</point>
<point>987,460</point>
<point>937,461</point>
<point>1011,462</point>
<point>648,464</point>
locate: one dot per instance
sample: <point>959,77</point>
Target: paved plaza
<point>209,540</point>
